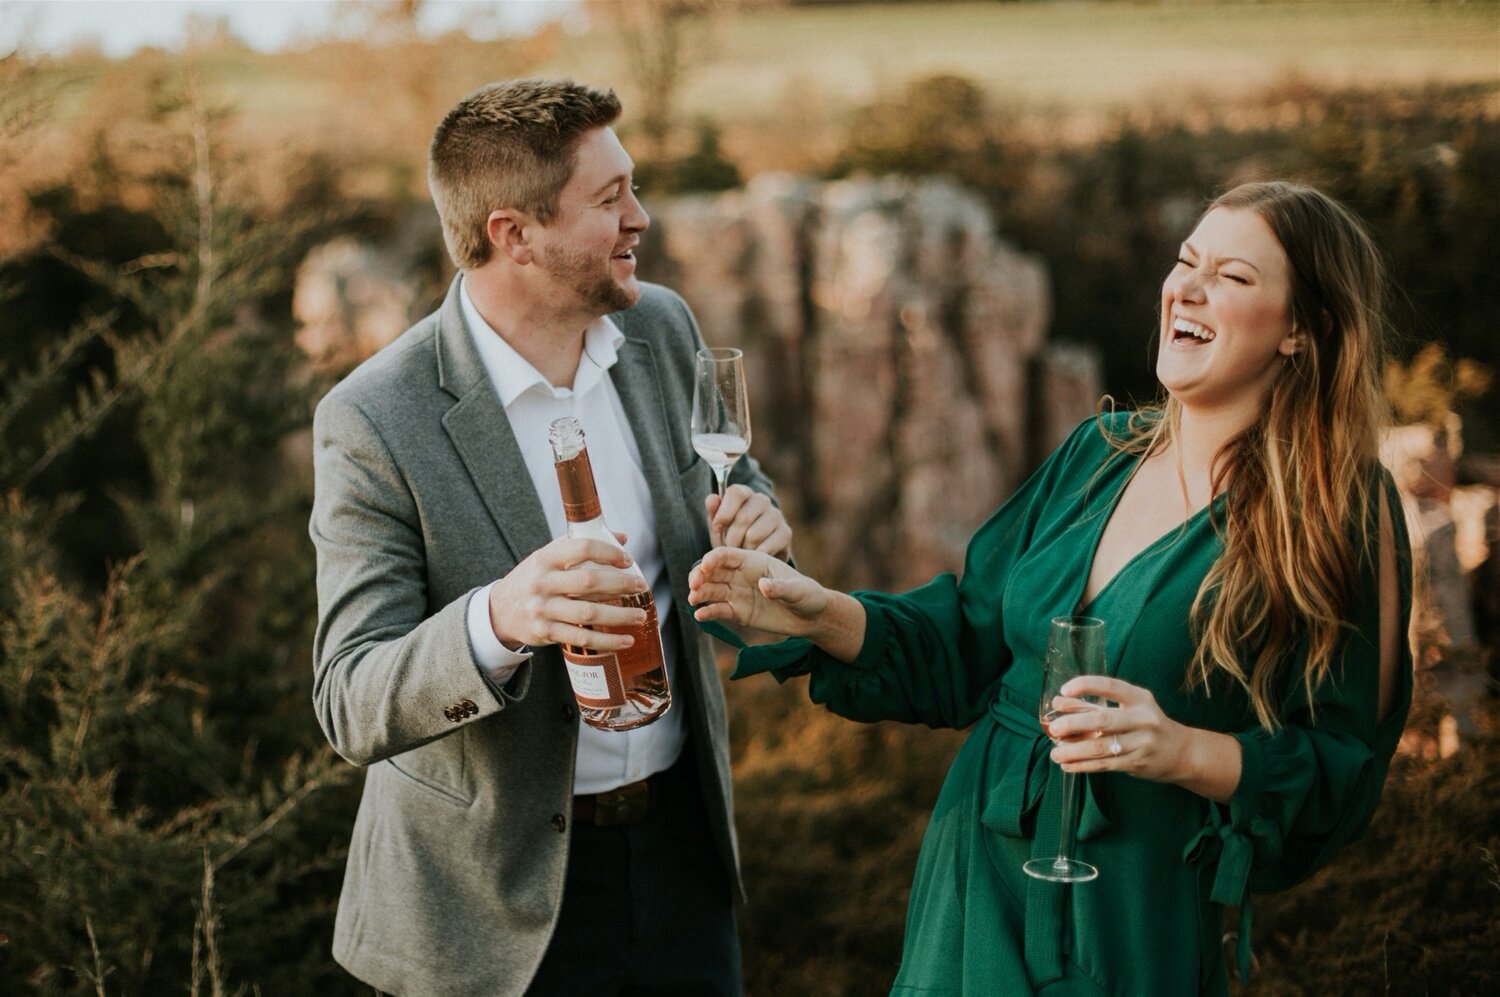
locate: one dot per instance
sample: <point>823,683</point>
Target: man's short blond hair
<point>509,145</point>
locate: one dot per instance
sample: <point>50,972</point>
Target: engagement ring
<point>1114,744</point>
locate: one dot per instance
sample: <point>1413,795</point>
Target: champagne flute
<point>1075,647</point>
<point>721,411</point>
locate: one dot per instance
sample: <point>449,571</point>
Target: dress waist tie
<point>1021,786</point>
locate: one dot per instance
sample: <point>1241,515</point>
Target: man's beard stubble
<point>595,288</point>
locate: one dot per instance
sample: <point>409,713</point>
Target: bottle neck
<point>575,479</point>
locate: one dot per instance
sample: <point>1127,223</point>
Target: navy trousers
<point>647,908</point>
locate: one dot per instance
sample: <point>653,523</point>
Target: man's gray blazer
<point>455,870</point>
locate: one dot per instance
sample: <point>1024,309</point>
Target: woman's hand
<point>757,590</point>
<point>1137,738</point>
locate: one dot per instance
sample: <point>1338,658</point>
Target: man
<point>501,847</point>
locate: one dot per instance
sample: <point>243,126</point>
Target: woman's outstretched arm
<point>756,590</point>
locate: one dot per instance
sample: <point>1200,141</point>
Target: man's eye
<point>1234,277</point>
<point>1184,263</point>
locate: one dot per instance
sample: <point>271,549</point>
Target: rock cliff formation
<point>900,378</point>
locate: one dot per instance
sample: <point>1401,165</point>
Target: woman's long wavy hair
<point>1298,482</point>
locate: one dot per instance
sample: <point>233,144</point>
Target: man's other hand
<point>749,520</point>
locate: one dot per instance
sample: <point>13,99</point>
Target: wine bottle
<point>616,690</point>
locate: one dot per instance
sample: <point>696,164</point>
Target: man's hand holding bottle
<point>562,591</point>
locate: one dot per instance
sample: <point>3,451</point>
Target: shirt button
<point>559,823</point>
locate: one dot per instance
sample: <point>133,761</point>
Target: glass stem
<point>1065,834</point>
<point>721,474</point>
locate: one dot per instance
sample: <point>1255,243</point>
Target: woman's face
<point>1226,322</point>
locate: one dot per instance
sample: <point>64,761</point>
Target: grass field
<point>1078,55</point>
<point>757,63</point>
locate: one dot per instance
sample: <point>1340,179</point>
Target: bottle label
<point>596,679</point>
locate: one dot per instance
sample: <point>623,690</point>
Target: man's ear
<point>507,231</point>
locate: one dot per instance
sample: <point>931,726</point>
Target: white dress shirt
<point>605,759</point>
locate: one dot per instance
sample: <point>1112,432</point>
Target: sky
<point>119,27</point>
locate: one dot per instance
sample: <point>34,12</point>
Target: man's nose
<point>635,219</point>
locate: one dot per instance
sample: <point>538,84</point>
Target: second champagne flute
<point>1075,647</point>
<point>721,410</point>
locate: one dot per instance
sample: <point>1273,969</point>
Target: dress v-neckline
<point>1081,607</point>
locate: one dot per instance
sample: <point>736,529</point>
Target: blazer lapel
<point>483,438</point>
<point>637,380</point>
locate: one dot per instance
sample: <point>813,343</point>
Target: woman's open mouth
<point>1191,333</point>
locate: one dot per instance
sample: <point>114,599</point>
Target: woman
<point>1239,541</point>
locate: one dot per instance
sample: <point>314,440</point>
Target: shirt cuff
<point>495,659</point>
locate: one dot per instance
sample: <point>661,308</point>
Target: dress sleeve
<point>931,655</point>
<point>1311,787</point>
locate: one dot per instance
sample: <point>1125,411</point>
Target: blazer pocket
<point>435,769</point>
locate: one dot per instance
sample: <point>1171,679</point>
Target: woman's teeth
<point>1182,327</point>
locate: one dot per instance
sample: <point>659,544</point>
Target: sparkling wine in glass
<point>1075,646</point>
<point>721,411</point>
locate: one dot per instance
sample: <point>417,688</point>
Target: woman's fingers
<point>714,611</point>
<point>792,591</point>
<point>1091,719</point>
<point>723,559</point>
<point>756,589</point>
<point>1137,707</point>
<point>1105,753</point>
<point>708,591</point>
<point>1104,687</point>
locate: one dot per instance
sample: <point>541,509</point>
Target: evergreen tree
<point>170,817</point>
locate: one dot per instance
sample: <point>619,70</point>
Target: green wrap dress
<point>958,653</point>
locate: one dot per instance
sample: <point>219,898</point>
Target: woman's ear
<point>1296,340</point>
<point>1292,343</point>
<point>507,231</point>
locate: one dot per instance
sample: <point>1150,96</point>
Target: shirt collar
<point>513,375</point>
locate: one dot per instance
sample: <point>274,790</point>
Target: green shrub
<point>170,818</point>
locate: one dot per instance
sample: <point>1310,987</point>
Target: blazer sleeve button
<point>469,708</point>
<point>559,823</point>
<point>450,714</point>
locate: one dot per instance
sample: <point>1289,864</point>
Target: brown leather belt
<point>629,804</point>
